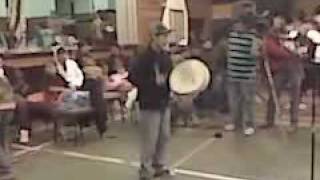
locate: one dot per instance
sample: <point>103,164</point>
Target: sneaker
<point>229,127</point>
<point>8,177</point>
<point>293,128</point>
<point>302,106</point>
<point>249,131</point>
<point>163,172</point>
<point>24,136</point>
<point>144,178</point>
<point>267,126</point>
<point>144,174</point>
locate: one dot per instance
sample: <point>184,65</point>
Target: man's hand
<point>160,79</point>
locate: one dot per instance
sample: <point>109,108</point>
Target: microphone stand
<point>313,122</point>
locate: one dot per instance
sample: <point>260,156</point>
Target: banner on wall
<point>127,22</point>
<point>3,8</point>
<point>175,17</point>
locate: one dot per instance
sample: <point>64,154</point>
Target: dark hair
<point>248,20</point>
<point>61,50</point>
<point>317,10</point>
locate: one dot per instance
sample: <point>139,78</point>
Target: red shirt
<point>276,53</point>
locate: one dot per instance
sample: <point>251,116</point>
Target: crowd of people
<point>81,80</point>
<point>278,50</point>
<point>281,52</point>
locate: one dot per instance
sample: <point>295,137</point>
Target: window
<point>111,4</point>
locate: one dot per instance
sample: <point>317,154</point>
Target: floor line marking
<point>20,153</point>
<point>206,175</point>
<point>27,149</point>
<point>191,173</point>
<point>92,157</point>
<point>199,148</point>
<point>31,148</point>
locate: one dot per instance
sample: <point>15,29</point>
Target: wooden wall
<point>199,8</point>
<point>149,11</point>
<point>307,5</point>
<point>3,24</point>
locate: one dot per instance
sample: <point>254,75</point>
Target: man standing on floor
<point>241,74</point>
<point>287,70</point>
<point>6,97</point>
<point>150,74</point>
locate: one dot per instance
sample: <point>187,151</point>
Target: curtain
<point>127,22</point>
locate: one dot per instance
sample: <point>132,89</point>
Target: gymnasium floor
<point>195,155</point>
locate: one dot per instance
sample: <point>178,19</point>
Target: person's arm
<point>74,75</point>
<point>274,50</point>
<point>136,71</point>
<point>50,68</point>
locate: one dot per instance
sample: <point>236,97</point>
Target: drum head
<point>189,76</point>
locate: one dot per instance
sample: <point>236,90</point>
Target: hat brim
<point>166,32</point>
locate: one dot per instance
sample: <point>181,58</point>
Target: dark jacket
<point>142,74</point>
<point>6,91</point>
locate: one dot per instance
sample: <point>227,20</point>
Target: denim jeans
<point>155,135</point>
<point>241,96</point>
<point>292,82</point>
<point>5,165</point>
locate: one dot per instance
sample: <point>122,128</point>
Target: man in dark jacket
<point>6,98</point>
<point>150,74</point>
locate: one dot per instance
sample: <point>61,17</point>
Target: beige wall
<point>200,8</point>
<point>149,11</point>
<point>307,5</point>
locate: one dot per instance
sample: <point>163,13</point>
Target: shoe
<point>293,128</point>
<point>267,126</point>
<point>229,127</point>
<point>8,177</point>
<point>163,172</point>
<point>144,178</point>
<point>249,131</point>
<point>144,174</point>
<point>302,106</point>
<point>24,136</point>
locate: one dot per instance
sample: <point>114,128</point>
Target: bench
<point>78,118</point>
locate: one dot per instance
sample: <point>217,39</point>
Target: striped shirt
<point>241,63</point>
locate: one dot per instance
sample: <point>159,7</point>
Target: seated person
<point>65,68</point>
<point>69,76</point>
<point>116,82</point>
<point>94,83</point>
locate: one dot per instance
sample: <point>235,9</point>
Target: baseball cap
<point>159,29</point>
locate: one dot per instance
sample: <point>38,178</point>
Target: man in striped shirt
<point>241,72</point>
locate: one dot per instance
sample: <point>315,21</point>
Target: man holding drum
<point>150,74</point>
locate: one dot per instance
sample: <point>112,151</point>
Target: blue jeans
<point>292,82</point>
<point>241,96</point>
<point>5,165</point>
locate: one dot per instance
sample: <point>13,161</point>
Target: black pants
<point>5,165</point>
<point>96,90</point>
<point>27,112</point>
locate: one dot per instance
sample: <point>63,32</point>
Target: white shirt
<point>73,74</point>
<point>314,35</point>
